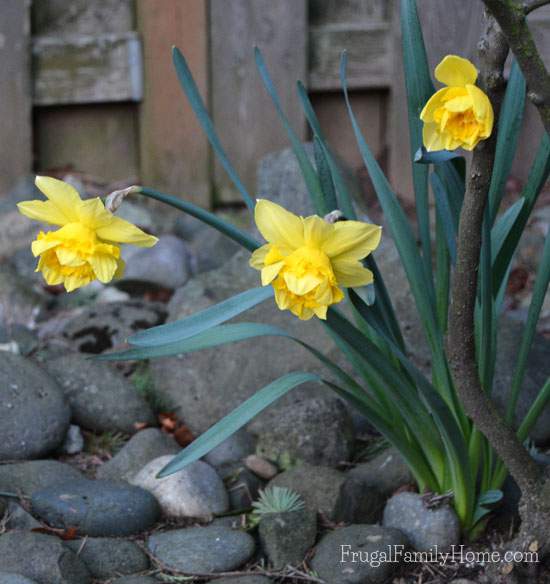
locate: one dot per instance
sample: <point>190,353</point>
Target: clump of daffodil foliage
<point>313,265</point>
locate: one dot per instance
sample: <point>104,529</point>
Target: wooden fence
<point>88,85</point>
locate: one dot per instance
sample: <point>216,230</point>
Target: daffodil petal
<point>277,225</point>
<point>42,244</point>
<point>93,214</point>
<point>432,138</point>
<point>300,286</point>
<point>483,109</point>
<point>257,259</point>
<point>351,274</point>
<point>270,272</point>
<point>352,240</point>
<point>43,211</point>
<point>120,231</point>
<point>436,101</point>
<point>104,267</point>
<point>316,230</point>
<point>455,71</point>
<point>63,195</point>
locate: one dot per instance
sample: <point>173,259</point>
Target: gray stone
<point>96,508</point>
<point>386,472</point>
<point>368,539</point>
<point>3,507</point>
<point>332,493</point>
<point>101,398</point>
<point>211,250</point>
<point>425,528</point>
<point>166,264</point>
<point>18,518</point>
<point>202,549</point>
<point>252,579</point>
<point>11,578</point>
<point>27,477</point>
<point>19,302</point>
<point>135,580</point>
<point>195,491</point>
<point>41,557</point>
<point>206,385</point>
<point>98,328</point>
<point>316,430</point>
<point>107,557</point>
<point>286,537</point>
<point>243,486</point>
<point>74,441</point>
<point>34,413</point>
<point>235,448</point>
<point>21,336</point>
<point>509,335</point>
<point>142,447</point>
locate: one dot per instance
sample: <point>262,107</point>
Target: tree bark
<point>511,16</point>
<point>493,50</point>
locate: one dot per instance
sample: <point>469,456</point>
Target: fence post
<point>15,92</point>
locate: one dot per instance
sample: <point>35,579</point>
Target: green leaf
<point>311,179</point>
<point>325,176</point>
<point>485,502</point>
<point>445,215</point>
<point>537,300</point>
<point>234,233</point>
<point>421,287</point>
<point>190,88</point>
<point>419,89</point>
<point>442,273</point>
<point>422,156</point>
<point>214,337</point>
<point>345,200</point>
<point>537,177</point>
<point>202,320</point>
<point>236,420</point>
<point>509,126</point>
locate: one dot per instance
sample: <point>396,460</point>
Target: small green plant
<point>277,500</point>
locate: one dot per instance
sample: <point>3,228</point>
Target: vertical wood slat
<point>174,153</point>
<point>15,97</point>
<point>242,111</point>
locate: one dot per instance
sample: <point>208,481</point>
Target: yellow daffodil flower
<point>307,260</point>
<point>85,247</point>
<point>459,115</point>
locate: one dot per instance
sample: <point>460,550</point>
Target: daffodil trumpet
<point>460,115</point>
<point>308,260</point>
<point>86,246</point>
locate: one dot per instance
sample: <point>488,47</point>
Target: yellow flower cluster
<point>308,260</point>
<point>85,247</point>
<point>459,115</point>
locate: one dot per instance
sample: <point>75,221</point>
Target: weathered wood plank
<point>174,151</point>
<point>97,139</point>
<point>243,113</point>
<point>87,69</point>
<point>345,11</point>
<point>369,50</point>
<point>15,95</point>
<point>50,17</point>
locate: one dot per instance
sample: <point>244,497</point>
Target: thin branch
<point>530,5</point>
<point>511,17</point>
<point>493,50</point>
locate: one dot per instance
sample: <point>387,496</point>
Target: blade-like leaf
<point>311,179</point>
<point>422,156</point>
<point>537,177</point>
<point>202,320</point>
<point>539,292</point>
<point>190,88</point>
<point>419,89</point>
<point>234,233</point>
<point>236,420</point>
<point>325,176</point>
<point>345,200</point>
<point>445,215</point>
<point>509,126</point>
